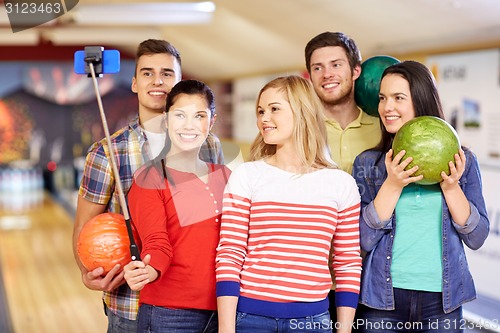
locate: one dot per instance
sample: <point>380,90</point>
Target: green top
<point>417,251</point>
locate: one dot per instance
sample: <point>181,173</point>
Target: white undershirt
<point>156,142</point>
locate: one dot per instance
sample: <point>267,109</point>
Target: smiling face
<point>188,121</point>
<point>275,117</point>
<point>395,103</point>
<point>156,75</point>
<point>331,74</point>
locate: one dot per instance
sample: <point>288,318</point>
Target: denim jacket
<point>377,237</point>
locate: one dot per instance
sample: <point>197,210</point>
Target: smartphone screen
<point>110,62</point>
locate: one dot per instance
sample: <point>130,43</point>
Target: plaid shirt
<point>98,186</point>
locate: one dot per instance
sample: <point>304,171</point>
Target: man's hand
<point>94,280</point>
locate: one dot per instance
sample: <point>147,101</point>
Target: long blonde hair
<point>309,131</point>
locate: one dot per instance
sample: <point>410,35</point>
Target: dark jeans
<point>157,319</point>
<point>118,324</point>
<point>249,323</point>
<point>416,311</point>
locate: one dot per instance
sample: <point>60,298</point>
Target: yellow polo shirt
<point>345,144</point>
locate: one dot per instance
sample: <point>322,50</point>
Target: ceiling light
<point>27,37</point>
<point>99,36</point>
<point>168,13</point>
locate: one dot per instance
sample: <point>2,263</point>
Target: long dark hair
<point>423,91</point>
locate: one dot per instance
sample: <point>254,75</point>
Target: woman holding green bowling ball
<point>415,274</point>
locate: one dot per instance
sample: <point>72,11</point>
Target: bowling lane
<point>42,283</point>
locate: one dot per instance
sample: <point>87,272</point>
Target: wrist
<point>392,187</point>
<point>450,188</point>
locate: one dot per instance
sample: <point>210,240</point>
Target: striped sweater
<point>276,233</point>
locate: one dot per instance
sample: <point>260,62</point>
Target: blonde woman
<point>282,214</point>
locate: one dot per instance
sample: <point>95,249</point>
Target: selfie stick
<point>134,251</point>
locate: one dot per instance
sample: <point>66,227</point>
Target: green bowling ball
<point>367,86</point>
<point>432,143</point>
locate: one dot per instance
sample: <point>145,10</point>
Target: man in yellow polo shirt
<point>333,62</point>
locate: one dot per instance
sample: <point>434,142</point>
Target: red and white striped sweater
<point>276,234</point>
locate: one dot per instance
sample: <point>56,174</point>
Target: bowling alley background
<point>48,119</point>
<point>469,86</point>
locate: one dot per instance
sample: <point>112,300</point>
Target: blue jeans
<point>249,323</point>
<point>416,311</point>
<point>118,324</point>
<point>157,319</point>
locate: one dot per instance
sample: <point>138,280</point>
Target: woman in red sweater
<point>175,204</point>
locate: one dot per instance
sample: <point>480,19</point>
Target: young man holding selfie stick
<point>158,69</point>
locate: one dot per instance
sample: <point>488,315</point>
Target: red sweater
<point>178,225</point>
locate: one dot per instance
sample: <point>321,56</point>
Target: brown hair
<point>156,46</point>
<point>328,38</point>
